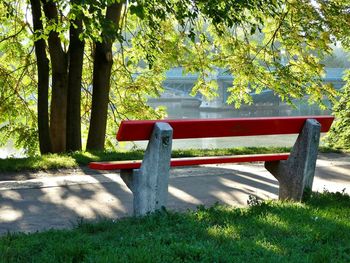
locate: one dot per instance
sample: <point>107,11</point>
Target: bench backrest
<point>206,128</point>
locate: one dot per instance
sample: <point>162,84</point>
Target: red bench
<point>206,128</point>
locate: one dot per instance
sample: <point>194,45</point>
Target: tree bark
<point>103,60</point>
<point>76,55</point>
<point>43,81</point>
<point>59,82</point>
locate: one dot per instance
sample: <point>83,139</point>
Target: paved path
<point>60,201</point>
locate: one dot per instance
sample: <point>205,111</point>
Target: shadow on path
<point>42,207</point>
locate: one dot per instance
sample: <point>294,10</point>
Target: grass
<point>76,159</point>
<point>315,231</point>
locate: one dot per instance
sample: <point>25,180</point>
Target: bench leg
<point>149,184</point>
<point>297,173</point>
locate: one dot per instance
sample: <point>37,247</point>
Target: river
<point>187,109</point>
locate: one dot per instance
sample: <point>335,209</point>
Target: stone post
<point>297,173</point>
<point>149,184</point>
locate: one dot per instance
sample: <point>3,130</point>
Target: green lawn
<point>76,159</point>
<point>315,231</point>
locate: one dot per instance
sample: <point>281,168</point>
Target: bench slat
<point>121,165</point>
<point>208,128</point>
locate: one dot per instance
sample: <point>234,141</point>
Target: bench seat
<point>136,164</point>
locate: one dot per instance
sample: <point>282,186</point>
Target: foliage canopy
<point>271,44</point>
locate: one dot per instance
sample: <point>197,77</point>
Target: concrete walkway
<point>60,201</point>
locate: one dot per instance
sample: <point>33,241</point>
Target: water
<point>189,109</point>
<point>9,151</point>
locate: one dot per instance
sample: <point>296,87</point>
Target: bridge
<point>178,85</point>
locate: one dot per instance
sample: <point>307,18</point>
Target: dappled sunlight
<point>327,163</point>
<point>81,207</point>
<point>280,228</point>
<point>183,196</point>
<point>96,203</point>
<point>252,178</point>
<point>34,209</point>
<point>229,198</point>
<point>10,194</point>
<point>332,172</point>
<point>239,186</point>
<point>331,186</point>
<point>227,231</point>
<point>234,232</point>
<point>220,184</point>
<point>338,173</point>
<point>113,178</point>
<point>332,178</point>
<point>9,214</point>
<point>42,204</point>
<point>115,204</point>
<point>270,246</point>
<point>341,170</point>
<point>275,221</point>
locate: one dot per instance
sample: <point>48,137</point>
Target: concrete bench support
<point>297,173</point>
<point>149,184</point>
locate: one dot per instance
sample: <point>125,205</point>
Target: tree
<point>339,135</point>
<point>103,60</point>
<point>338,14</point>
<point>75,69</point>
<point>17,107</point>
<point>66,66</point>
<point>122,52</point>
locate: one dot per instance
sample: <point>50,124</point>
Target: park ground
<point>316,230</point>
<point>207,219</point>
<point>59,199</point>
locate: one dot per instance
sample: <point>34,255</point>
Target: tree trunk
<point>76,55</point>
<point>103,60</point>
<point>59,83</point>
<point>43,81</point>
